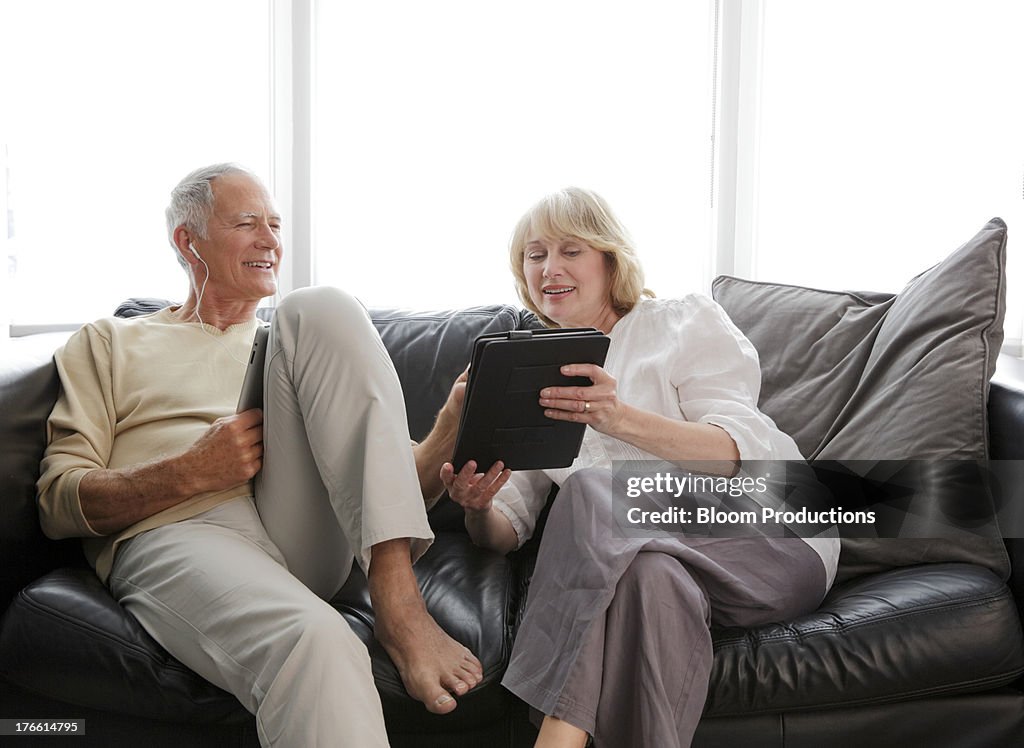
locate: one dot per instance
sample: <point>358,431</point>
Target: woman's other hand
<point>474,492</point>
<point>471,490</point>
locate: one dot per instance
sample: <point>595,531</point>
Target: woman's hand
<point>598,405</point>
<point>474,492</point>
<point>471,490</point>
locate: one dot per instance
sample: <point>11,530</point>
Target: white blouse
<point>680,358</point>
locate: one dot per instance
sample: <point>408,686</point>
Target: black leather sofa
<point>920,656</point>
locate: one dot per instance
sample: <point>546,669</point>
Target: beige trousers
<point>237,593</point>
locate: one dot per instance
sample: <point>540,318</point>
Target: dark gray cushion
<point>854,376</point>
<point>430,349</point>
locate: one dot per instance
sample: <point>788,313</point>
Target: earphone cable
<point>202,325</point>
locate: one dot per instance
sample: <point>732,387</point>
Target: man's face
<point>243,245</point>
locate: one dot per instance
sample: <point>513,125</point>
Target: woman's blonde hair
<point>584,215</point>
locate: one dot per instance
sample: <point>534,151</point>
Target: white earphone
<point>199,303</point>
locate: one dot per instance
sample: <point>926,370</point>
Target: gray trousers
<point>237,593</point>
<point>616,637</point>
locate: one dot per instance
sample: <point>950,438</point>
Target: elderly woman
<point>616,640</point>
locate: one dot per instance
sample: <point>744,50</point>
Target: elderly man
<point>149,463</point>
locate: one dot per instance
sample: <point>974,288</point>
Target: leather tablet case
<point>502,418</point>
<point>251,395</point>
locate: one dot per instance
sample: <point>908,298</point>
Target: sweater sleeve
<point>80,432</point>
<point>718,380</point>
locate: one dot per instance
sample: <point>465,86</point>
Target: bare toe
<point>471,678</point>
<point>433,666</point>
<point>442,704</point>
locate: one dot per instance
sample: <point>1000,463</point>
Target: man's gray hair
<point>192,201</point>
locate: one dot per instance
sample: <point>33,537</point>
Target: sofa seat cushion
<point>471,593</point>
<point>66,638</point>
<point>911,632</point>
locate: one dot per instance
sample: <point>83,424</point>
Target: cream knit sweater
<point>134,390</point>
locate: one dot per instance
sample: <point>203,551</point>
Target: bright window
<point>437,125</point>
<point>890,133</point>
<point>107,105</point>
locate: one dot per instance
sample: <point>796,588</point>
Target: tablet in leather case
<point>502,418</point>
<point>251,395</point>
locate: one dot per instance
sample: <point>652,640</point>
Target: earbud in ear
<point>193,248</point>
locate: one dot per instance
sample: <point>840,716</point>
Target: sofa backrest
<point>431,349</point>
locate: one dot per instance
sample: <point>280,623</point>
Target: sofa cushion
<point>932,630</point>
<point>430,349</point>
<point>67,622</point>
<point>845,373</point>
<point>856,376</point>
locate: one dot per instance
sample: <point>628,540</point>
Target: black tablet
<point>502,418</point>
<point>251,395</point>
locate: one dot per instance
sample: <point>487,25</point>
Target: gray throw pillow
<point>867,376</point>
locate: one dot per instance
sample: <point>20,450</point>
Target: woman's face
<point>569,281</point>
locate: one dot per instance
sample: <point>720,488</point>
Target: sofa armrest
<point>1015,546</point>
<point>28,390</point>
<point>1006,443</point>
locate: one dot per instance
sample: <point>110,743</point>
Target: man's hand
<point>229,453</point>
<point>440,442</point>
<point>452,408</point>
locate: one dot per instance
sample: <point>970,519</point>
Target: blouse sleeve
<point>80,432</point>
<point>522,499</point>
<point>717,376</point>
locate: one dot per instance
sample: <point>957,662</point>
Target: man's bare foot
<point>434,667</point>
